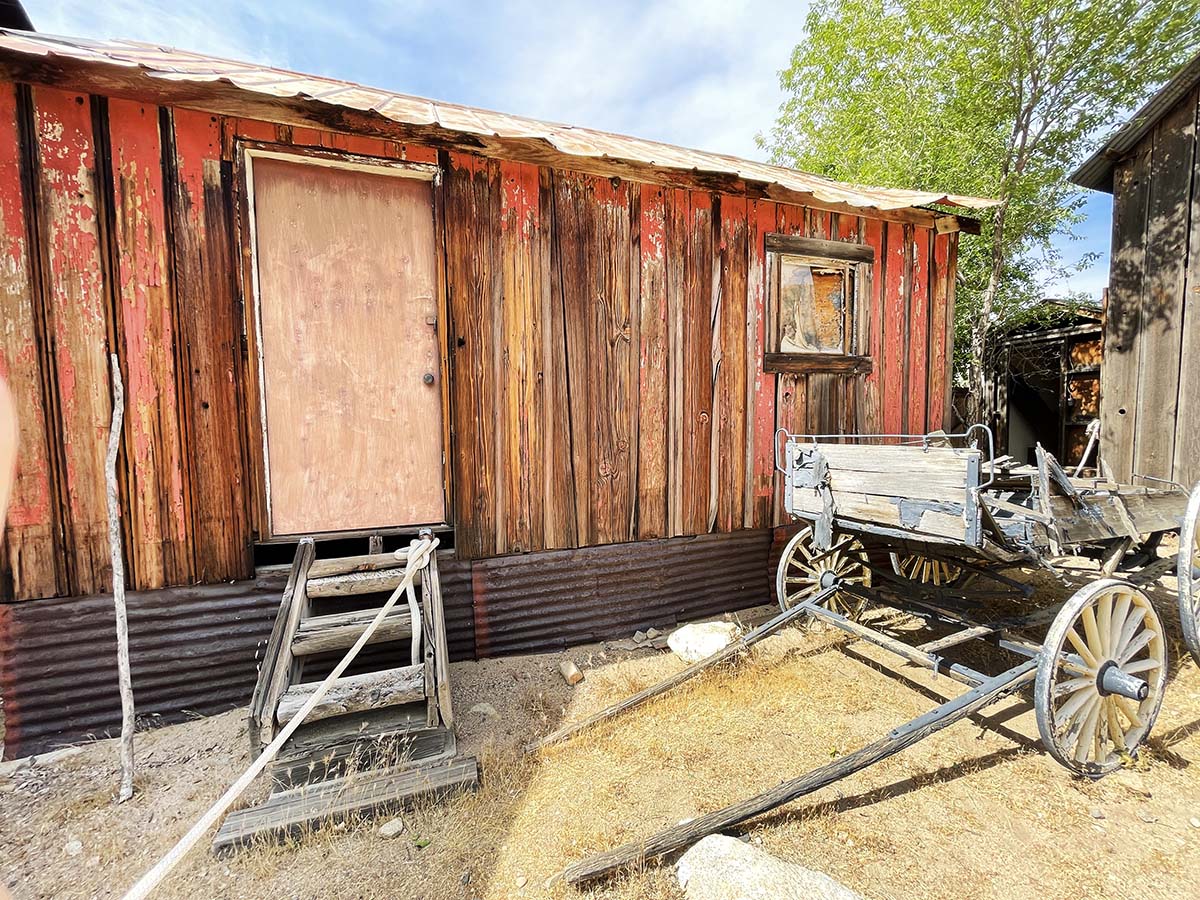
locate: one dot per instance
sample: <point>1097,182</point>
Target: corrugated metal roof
<point>182,66</point>
<point>1097,172</point>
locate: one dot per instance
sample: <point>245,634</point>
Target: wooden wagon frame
<point>927,525</point>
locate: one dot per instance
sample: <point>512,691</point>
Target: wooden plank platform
<point>378,745</point>
<point>292,812</point>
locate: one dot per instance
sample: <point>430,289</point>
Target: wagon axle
<point>1111,680</point>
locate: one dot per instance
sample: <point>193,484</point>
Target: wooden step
<point>379,742</point>
<point>363,794</point>
<point>338,631</point>
<point>355,694</point>
<point>354,583</point>
<point>345,565</point>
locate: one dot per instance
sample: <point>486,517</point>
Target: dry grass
<point>970,812</point>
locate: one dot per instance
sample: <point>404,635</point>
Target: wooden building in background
<point>1150,381</point>
<point>348,313</point>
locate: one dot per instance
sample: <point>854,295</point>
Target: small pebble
<point>522,881</point>
<point>1097,813</point>
<point>1194,822</point>
<point>73,847</point>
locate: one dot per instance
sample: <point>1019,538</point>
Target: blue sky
<point>700,73</point>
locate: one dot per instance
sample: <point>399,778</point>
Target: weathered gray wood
<point>436,612</point>
<point>1123,317</point>
<point>344,565</point>
<point>375,742</point>
<point>277,655</point>
<point>124,681</point>
<point>354,583</point>
<point>321,634</point>
<point>1186,468</point>
<point>656,690</point>
<point>356,693</point>
<point>1162,296</point>
<point>363,794</point>
<point>899,739</point>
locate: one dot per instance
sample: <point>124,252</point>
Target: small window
<point>815,288</point>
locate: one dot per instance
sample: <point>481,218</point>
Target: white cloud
<point>701,74</point>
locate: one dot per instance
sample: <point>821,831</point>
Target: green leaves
<point>996,98</point>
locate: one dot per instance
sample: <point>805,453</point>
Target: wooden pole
<point>418,556</point>
<point>898,739</point>
<point>124,679</point>
<point>655,690</point>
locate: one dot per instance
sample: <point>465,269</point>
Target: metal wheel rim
<point>798,578</point>
<point>1187,572</point>
<point>926,570</point>
<point>1107,622</point>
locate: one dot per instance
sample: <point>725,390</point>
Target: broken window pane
<point>812,306</point>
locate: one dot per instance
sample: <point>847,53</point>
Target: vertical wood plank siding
<point>1150,383</point>
<point>606,345</point>
<point>654,330</point>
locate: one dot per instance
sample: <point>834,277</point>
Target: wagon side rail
<point>918,487</point>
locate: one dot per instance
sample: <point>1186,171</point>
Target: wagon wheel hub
<point>1111,680</point>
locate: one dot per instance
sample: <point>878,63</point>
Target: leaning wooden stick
<point>655,690</point>
<point>418,556</point>
<point>898,739</point>
<point>124,679</point>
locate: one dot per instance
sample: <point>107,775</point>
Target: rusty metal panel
<point>548,601</point>
<point>191,649</point>
<point>169,65</point>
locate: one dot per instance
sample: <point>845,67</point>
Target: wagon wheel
<point>926,569</point>
<point>802,566</point>
<point>1100,677</point>
<point>1187,570</point>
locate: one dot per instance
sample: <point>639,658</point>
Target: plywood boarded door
<point>345,265</point>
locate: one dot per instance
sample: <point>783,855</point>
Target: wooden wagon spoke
<point>1104,610</point>
<point>1135,646</point>
<point>1120,616</point>
<point>1087,734</point>
<point>1069,709</point>
<point>1071,685</point>
<point>1082,648</point>
<point>1116,732</point>
<point>1092,631</point>
<point>1136,618</point>
<point>1126,706</point>
<point>1142,665</point>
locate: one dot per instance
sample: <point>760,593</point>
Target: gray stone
<point>700,640</point>
<point>724,868</point>
<point>392,828</point>
<point>73,847</point>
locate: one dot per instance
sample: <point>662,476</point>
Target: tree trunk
<point>977,371</point>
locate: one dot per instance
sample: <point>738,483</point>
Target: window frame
<point>858,260</point>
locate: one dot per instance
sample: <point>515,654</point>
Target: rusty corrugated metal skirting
<point>195,650</point>
<point>575,596</point>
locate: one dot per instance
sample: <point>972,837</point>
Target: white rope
<point>418,556</point>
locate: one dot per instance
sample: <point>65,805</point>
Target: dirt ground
<point>973,811</point>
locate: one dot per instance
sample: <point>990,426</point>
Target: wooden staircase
<point>384,733</point>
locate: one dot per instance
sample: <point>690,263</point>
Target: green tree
<point>993,98</point>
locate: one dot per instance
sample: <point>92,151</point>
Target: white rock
<point>73,847</point>
<point>391,829</point>
<point>485,709</point>
<point>724,868</point>
<point>692,643</point>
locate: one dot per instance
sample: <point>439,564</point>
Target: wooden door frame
<point>245,152</point>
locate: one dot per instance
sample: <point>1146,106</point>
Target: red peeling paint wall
<point>606,340</point>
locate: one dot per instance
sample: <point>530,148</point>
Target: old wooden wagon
<point>926,525</point>
<point>596,338</point>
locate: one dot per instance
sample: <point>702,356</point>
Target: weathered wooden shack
<point>1150,382</point>
<point>347,313</point>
